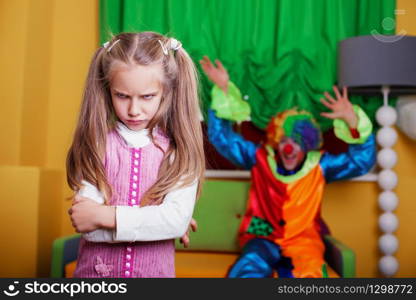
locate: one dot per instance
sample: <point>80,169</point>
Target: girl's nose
<point>288,149</point>
<point>133,114</point>
<point>134,109</point>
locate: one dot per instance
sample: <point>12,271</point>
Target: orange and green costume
<point>281,227</point>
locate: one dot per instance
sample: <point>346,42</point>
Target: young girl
<point>136,161</point>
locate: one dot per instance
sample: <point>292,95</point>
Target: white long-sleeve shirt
<point>168,220</point>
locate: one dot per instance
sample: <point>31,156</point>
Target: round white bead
<point>388,201</point>
<point>388,265</point>
<point>386,116</point>
<point>388,222</point>
<point>388,244</point>
<point>387,158</point>
<point>386,137</point>
<point>387,179</point>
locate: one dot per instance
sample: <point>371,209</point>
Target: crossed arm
<point>103,223</point>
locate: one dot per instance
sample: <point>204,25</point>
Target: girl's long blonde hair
<point>177,116</point>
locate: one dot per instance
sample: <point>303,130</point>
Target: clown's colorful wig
<point>298,125</point>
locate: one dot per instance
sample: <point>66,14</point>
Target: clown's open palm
<point>341,107</point>
<point>216,73</point>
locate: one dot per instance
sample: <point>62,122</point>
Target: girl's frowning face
<point>136,93</point>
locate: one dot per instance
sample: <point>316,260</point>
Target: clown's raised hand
<point>341,107</point>
<point>216,73</point>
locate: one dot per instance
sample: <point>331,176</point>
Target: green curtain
<point>280,53</point>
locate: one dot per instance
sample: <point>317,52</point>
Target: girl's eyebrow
<point>149,93</point>
<point>120,92</point>
<point>144,94</point>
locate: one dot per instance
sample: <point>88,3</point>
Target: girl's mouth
<point>135,122</point>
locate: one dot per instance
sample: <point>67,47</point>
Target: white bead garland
<point>388,222</point>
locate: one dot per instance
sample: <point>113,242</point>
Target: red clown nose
<point>288,149</point>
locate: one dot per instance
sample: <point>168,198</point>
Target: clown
<point>281,228</point>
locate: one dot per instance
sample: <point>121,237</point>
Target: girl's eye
<point>121,96</point>
<point>148,97</point>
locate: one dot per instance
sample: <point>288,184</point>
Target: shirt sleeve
<point>99,235</point>
<point>360,156</point>
<point>230,144</point>
<point>168,220</point>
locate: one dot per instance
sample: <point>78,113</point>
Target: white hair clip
<point>165,51</point>
<point>107,46</point>
<point>173,45</point>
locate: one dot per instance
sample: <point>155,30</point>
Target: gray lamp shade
<point>366,63</point>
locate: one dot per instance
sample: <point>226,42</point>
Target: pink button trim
<point>135,171</point>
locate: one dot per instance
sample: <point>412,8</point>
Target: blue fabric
<point>258,260</point>
<point>357,161</point>
<point>229,144</point>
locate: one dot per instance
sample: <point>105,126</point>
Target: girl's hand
<point>185,238</point>
<point>217,74</point>
<point>341,107</point>
<point>88,215</point>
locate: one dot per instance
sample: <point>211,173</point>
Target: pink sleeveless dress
<point>130,172</point>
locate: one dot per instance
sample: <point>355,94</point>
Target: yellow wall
<point>45,51</point>
<point>19,226</point>
<point>12,52</point>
